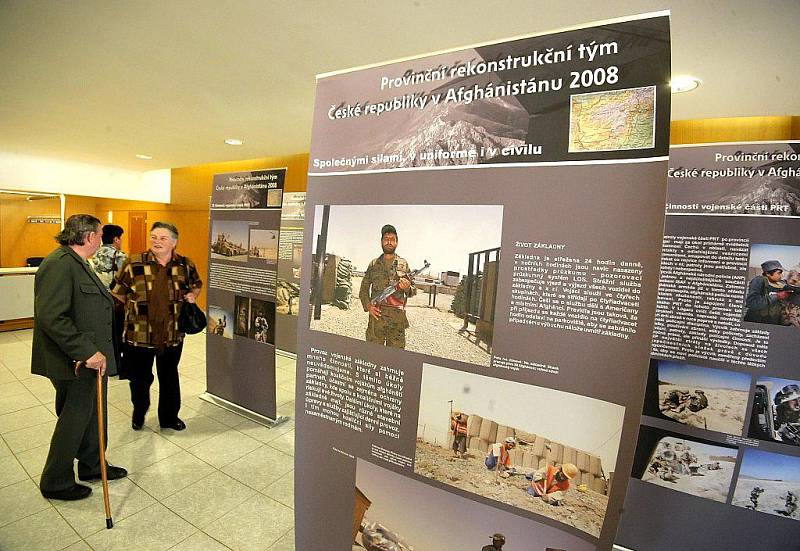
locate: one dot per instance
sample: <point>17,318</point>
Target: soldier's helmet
<point>787,393</point>
<point>500,538</point>
<point>771,265</point>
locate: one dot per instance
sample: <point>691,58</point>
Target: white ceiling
<point>101,80</point>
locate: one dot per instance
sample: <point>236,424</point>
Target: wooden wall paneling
<point>19,239</point>
<point>739,129</point>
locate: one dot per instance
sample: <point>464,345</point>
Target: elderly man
<point>72,338</point>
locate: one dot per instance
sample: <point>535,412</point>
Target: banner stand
<point>244,412</point>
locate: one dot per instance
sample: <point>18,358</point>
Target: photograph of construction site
<point>220,322</point>
<point>397,513</point>
<point>711,399</point>
<point>263,245</point>
<point>769,483</point>
<point>699,468</point>
<point>542,450</point>
<point>776,411</point>
<point>418,277</point>
<point>229,239</point>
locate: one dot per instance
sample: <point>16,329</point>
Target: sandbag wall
<point>534,451</point>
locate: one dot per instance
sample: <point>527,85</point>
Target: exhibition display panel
<point>478,284</point>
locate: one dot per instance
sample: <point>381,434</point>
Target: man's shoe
<point>76,492</point>
<point>112,473</point>
<point>177,425</point>
<point>136,425</point>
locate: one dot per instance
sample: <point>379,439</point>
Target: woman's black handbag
<point>191,320</point>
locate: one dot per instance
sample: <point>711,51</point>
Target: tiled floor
<point>223,483</point>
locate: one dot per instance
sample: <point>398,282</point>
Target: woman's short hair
<point>76,228</point>
<point>167,226</point>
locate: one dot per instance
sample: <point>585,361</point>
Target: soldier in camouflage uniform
<point>387,321</point>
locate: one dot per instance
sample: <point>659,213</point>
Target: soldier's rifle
<point>392,288</point>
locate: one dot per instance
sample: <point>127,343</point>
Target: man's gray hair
<point>167,226</point>
<point>76,228</point>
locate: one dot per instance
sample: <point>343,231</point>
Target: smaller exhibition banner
<point>290,254</point>
<point>242,284</point>
<point>478,286</point>
<point>717,464</point>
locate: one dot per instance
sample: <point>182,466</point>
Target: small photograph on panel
<point>220,322</point>
<point>229,239</point>
<point>545,451</point>
<point>263,245</point>
<point>241,325</point>
<point>689,465</point>
<point>702,397</point>
<point>262,321</point>
<point>294,205</point>
<point>612,120</point>
<point>776,411</point>
<point>393,512</point>
<point>274,198</point>
<point>417,277</point>
<point>769,483</point>
<point>773,289</point>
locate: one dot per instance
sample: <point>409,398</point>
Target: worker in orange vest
<point>458,426</point>
<point>499,459</point>
<point>551,482</point>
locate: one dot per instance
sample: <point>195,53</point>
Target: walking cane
<point>102,439</point>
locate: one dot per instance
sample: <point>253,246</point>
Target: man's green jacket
<point>73,315</point>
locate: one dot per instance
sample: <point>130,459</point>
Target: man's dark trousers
<point>75,435</point>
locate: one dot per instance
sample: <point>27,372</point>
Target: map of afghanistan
<point>613,120</point>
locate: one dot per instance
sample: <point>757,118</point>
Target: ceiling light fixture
<point>234,141</point>
<point>684,83</point>
<point>145,157</point>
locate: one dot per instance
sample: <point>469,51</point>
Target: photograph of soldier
<point>220,322</point>
<point>262,321</point>
<point>776,410</point>
<point>379,277</point>
<point>263,245</point>
<point>693,466</point>
<point>773,296</point>
<point>520,439</point>
<point>498,541</point>
<point>768,483</point>
<point>387,317</point>
<point>241,322</point>
<point>394,512</point>
<point>230,240</point>
<point>711,399</point>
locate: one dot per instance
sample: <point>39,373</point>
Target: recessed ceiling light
<point>684,83</point>
<point>234,141</point>
<point>145,157</point>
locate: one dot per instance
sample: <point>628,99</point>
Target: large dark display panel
<point>724,384</point>
<point>523,184</point>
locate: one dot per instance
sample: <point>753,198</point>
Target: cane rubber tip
<point>109,524</point>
